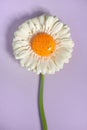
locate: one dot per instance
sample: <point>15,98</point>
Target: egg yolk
<point>43,44</point>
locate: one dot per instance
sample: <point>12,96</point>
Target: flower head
<point>43,44</point>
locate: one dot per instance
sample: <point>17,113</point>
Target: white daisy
<point>43,44</point>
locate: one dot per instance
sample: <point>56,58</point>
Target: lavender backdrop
<point>65,97</point>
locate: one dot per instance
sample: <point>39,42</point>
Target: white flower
<point>43,44</point>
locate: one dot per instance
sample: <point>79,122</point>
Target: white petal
<point>22,61</point>
<point>31,26</point>
<point>18,50</point>
<point>64,52</point>
<point>49,23</point>
<point>21,34</point>
<point>36,24</point>
<point>34,62</point>
<point>24,25</point>
<point>62,55</point>
<point>56,19</point>
<point>21,54</point>
<point>65,32</point>
<point>29,62</point>
<point>58,62</point>
<point>57,27</point>
<point>19,44</point>
<point>43,66</point>
<point>26,29</point>
<point>51,67</point>
<point>38,68</point>
<point>19,38</point>
<point>68,43</point>
<point>42,19</point>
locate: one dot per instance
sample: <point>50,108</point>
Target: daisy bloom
<point>43,44</point>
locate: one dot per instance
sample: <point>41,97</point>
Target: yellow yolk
<point>43,44</point>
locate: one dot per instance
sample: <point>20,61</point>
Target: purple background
<point>65,97</point>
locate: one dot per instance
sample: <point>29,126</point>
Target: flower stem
<point>41,104</point>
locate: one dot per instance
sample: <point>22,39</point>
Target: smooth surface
<point>65,95</point>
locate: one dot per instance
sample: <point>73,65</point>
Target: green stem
<point>41,104</point>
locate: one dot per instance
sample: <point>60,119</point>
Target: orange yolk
<point>43,44</point>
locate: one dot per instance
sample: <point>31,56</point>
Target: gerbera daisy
<point>43,44</point>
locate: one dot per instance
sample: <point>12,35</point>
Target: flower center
<point>43,44</point>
